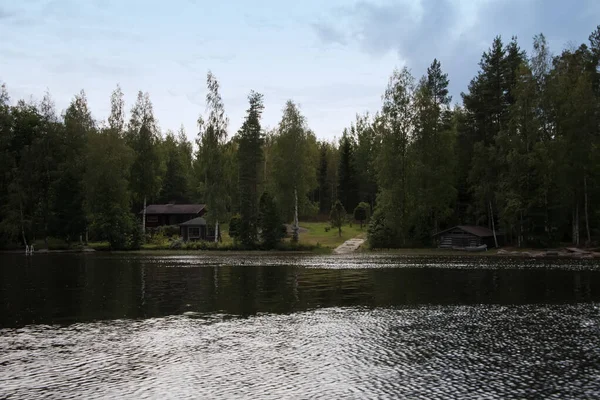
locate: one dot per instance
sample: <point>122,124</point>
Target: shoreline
<point>564,253</point>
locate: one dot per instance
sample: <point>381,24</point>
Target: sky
<point>332,57</point>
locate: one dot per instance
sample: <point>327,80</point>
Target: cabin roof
<point>173,209</point>
<point>194,222</point>
<point>479,231</point>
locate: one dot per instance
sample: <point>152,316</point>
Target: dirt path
<point>349,246</point>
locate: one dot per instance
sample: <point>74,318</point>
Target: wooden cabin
<point>194,229</point>
<point>466,236</point>
<point>172,214</point>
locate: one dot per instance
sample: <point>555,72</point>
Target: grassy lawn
<point>316,234</point>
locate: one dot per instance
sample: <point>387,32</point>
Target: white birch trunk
<point>216,231</point>
<point>144,218</point>
<point>493,226</point>
<point>23,226</point>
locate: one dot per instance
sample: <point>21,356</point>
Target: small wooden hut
<point>194,229</point>
<point>466,236</point>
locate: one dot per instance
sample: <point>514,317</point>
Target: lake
<point>273,326</point>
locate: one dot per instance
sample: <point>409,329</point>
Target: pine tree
<point>324,191</point>
<point>249,160</point>
<point>434,146</point>
<point>347,179</point>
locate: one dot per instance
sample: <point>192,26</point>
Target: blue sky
<point>332,57</point>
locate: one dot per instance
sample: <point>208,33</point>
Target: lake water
<point>291,326</point>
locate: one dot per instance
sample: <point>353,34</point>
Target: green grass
<point>316,234</point>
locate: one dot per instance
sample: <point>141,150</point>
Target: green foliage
<point>250,156</point>
<point>347,179</point>
<point>235,225</point>
<point>381,233</point>
<point>269,222</point>
<point>169,231</point>
<point>361,212</point>
<point>520,154</point>
<point>175,184</point>
<point>338,216</point>
<point>394,164</point>
<point>211,161</point>
<point>295,154</point>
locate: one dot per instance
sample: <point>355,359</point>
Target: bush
<point>361,213</point>
<point>177,244</point>
<point>380,234</point>
<point>269,222</point>
<point>169,231</point>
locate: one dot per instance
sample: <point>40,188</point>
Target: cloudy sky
<point>333,57</point>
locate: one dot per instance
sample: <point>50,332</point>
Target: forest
<point>519,152</point>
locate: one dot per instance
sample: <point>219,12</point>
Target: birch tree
<point>210,157</point>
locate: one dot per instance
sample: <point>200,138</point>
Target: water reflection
<point>64,289</point>
<point>274,327</point>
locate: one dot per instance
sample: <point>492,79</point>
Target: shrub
<point>269,222</point>
<point>380,234</point>
<point>169,231</point>
<point>361,212</point>
<point>177,244</point>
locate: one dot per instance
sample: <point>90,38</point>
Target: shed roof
<point>194,222</point>
<point>173,209</point>
<point>479,231</point>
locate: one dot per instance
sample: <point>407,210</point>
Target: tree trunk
<point>521,230</point>
<point>216,231</point>
<point>144,218</point>
<point>22,224</point>
<point>576,225</point>
<point>339,231</point>
<point>493,226</point>
<point>295,228</point>
<point>587,219</point>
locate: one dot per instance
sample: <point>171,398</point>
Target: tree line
<point>519,154</point>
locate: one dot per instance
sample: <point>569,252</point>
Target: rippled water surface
<point>275,327</point>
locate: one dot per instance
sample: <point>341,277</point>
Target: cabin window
<point>151,218</point>
<point>194,233</point>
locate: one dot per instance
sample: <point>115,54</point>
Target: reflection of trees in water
<point>69,288</point>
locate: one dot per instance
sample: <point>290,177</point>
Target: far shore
<point>562,253</point>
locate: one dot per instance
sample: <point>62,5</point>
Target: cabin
<point>172,214</point>
<point>466,236</point>
<point>194,229</point>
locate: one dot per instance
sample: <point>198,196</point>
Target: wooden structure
<point>194,229</point>
<point>172,214</point>
<point>466,236</point>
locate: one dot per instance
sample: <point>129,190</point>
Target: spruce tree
<point>347,179</point>
<point>250,156</point>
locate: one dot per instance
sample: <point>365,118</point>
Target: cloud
<point>329,34</point>
<point>6,14</point>
<point>454,31</point>
<point>262,23</point>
